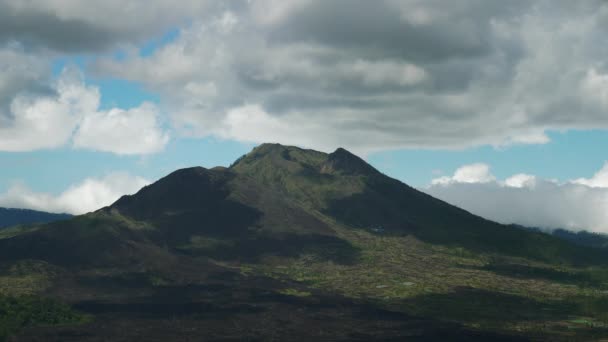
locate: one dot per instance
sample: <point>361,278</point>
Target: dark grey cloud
<point>377,29</point>
<point>20,73</point>
<point>38,29</point>
<point>90,26</point>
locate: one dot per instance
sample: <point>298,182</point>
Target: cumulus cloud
<point>384,74</point>
<point>133,131</point>
<point>37,112</point>
<point>528,200</point>
<point>88,195</point>
<point>36,121</point>
<point>599,180</point>
<point>474,173</point>
<point>521,180</point>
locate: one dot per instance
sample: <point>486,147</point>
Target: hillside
<point>12,217</point>
<point>294,244</point>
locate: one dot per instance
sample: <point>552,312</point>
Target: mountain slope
<point>345,188</point>
<point>290,242</point>
<point>12,217</point>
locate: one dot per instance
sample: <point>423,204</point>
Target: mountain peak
<point>278,155</point>
<point>341,160</point>
<point>259,152</point>
<point>269,148</point>
<point>272,157</point>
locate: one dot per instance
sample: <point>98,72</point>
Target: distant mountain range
<point>12,217</point>
<point>582,238</point>
<point>295,244</point>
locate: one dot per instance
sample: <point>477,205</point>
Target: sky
<point>499,107</point>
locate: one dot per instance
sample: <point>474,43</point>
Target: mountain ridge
<point>16,216</point>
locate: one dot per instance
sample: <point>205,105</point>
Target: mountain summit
<point>300,238</point>
<point>342,161</point>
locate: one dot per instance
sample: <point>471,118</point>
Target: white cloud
<point>133,131</point>
<point>473,173</point>
<point>47,121</point>
<point>89,195</point>
<point>37,113</point>
<point>251,123</point>
<point>521,180</point>
<point>599,180</point>
<point>527,200</point>
<point>248,122</point>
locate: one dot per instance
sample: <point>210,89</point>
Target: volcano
<point>296,244</point>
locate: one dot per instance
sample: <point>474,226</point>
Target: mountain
<point>12,217</point>
<point>295,244</point>
<point>582,238</point>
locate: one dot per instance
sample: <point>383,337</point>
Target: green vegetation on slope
<point>483,291</point>
<point>21,312</point>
